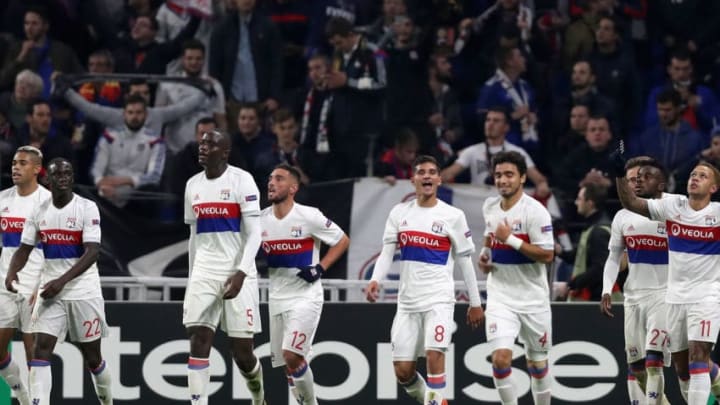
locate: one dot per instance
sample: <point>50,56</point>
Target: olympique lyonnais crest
<point>516,225</point>
<point>710,220</point>
<point>492,328</point>
<point>437,227</point>
<point>70,222</point>
<point>225,194</point>
<point>296,231</point>
<point>661,229</point>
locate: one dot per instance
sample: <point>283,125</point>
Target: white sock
<point>415,388</point>
<point>103,383</point>
<point>304,384</point>
<point>699,389</point>
<point>435,383</point>
<point>541,383</point>
<point>40,382</point>
<point>634,387</point>
<point>291,385</point>
<point>10,371</point>
<point>254,381</point>
<point>505,385</point>
<point>198,380</point>
<point>684,386</point>
<point>714,379</point>
<point>655,386</point>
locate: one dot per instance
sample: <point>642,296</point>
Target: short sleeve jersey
<point>518,282</point>
<point>290,243</point>
<point>477,159</point>
<point>429,239</point>
<point>63,233</point>
<point>216,208</point>
<point>14,210</point>
<point>693,249</point>
<point>646,244</point>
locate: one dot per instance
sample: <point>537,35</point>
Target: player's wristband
<point>514,242</point>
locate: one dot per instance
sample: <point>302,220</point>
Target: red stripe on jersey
<point>499,245</point>
<point>424,240</point>
<point>12,224</point>
<point>646,242</point>
<point>61,237</point>
<point>692,232</point>
<point>216,210</point>
<point>288,246</point>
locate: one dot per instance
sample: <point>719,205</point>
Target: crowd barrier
<point>147,355</point>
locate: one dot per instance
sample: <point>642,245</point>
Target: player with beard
<point>70,300</point>
<point>18,203</point>
<point>130,157</point>
<point>645,241</point>
<point>291,238</point>
<point>518,246</point>
<point>433,237</point>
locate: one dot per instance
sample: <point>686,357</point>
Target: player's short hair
<point>596,193</point>
<point>642,161</point>
<point>512,157</point>
<point>338,26</point>
<point>205,121</point>
<point>32,151</point>
<point>135,99</point>
<point>715,171</point>
<point>57,161</point>
<point>669,95</point>
<point>424,159</point>
<point>282,115</point>
<point>193,44</point>
<point>295,173</point>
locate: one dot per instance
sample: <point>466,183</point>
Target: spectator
<point>700,107</point>
<point>250,141</point>
<point>294,23</point>
<point>38,53</point>
<point>185,164</point>
<point>37,133</point>
<point>506,88</point>
<point>8,141</point>
<point>712,154</point>
<point>312,104</point>
<point>141,53</point>
<point>172,17</point>
<point>396,163</point>
<point>672,142</point>
<point>580,34</point>
<point>130,157</point>
<point>591,252</point>
<point>108,93</point>
<point>615,75</point>
<point>322,12</point>
<point>114,117</point>
<point>575,136</point>
<point>286,150</point>
<point>179,132</point>
<point>356,79</point>
<point>587,163</point>
<point>380,32</point>
<point>478,157</point>
<point>444,120</point>
<point>28,87</point>
<point>246,57</point>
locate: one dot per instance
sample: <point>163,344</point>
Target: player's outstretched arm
<point>17,262</point>
<point>610,275</point>
<point>629,200</point>
<point>88,258</point>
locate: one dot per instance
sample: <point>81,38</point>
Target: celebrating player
<point>644,290</point>
<point>291,237</point>
<point>518,245</point>
<point>222,209</point>
<point>433,236</point>
<point>70,296</point>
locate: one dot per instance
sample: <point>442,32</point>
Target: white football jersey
<point>216,208</point>
<point>693,249</point>
<point>14,210</point>
<point>517,281</point>
<point>289,244</point>
<point>428,238</point>
<point>646,244</point>
<point>63,231</point>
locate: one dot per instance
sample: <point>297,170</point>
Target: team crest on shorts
<point>70,222</point>
<point>296,231</point>
<point>633,351</point>
<point>437,227</point>
<point>225,194</point>
<point>661,229</point>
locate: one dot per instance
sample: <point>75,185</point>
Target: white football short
<point>414,333</point>
<point>294,331</point>
<point>697,322</point>
<point>83,320</point>
<point>204,306</point>
<point>15,311</point>
<point>533,330</point>
<point>646,327</point>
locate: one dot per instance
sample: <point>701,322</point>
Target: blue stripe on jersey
<point>698,247</point>
<point>11,239</point>
<point>647,256</point>
<point>424,255</point>
<point>510,256</point>
<point>218,225</point>
<point>300,259</point>
<point>63,251</point>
